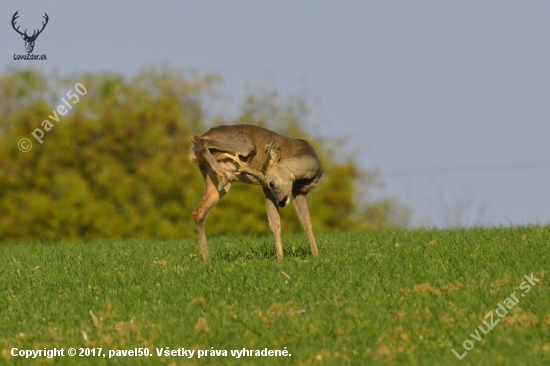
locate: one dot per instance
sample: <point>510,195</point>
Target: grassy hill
<point>403,297</point>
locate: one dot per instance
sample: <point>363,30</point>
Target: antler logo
<point>29,40</point>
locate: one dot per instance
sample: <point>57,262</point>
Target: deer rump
<point>222,140</point>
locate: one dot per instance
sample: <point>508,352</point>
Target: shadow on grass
<point>264,252</point>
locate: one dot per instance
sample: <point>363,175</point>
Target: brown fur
<point>254,155</point>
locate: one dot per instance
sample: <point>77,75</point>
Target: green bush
<point>116,165</point>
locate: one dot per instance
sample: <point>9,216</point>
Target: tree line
<point>115,163</point>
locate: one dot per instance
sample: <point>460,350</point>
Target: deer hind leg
<point>300,203</point>
<point>272,208</point>
<point>222,177</point>
<point>211,196</point>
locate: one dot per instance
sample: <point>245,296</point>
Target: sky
<point>448,101</point>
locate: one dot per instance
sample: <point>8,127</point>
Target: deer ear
<point>273,153</point>
<point>23,36</point>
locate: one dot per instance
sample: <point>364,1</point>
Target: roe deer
<point>255,155</point>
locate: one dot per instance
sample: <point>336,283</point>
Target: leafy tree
<point>117,164</point>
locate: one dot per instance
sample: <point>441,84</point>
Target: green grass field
<point>404,297</point>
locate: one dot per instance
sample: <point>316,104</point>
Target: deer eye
<point>272,184</point>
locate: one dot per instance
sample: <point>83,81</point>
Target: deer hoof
<point>222,183</point>
<point>198,144</point>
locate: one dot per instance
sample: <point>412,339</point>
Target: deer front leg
<point>272,208</point>
<point>300,203</point>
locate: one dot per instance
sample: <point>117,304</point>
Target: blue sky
<point>410,85</point>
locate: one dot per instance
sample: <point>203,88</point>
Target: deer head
<point>275,177</point>
<point>29,40</point>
